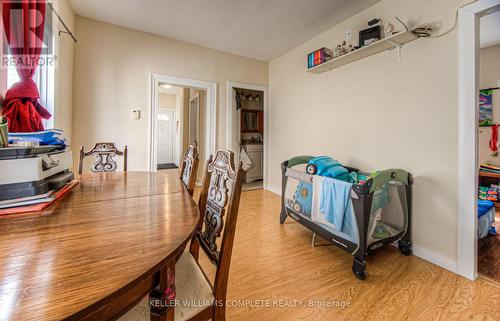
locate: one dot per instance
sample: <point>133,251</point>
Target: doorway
<point>182,113</point>
<point>166,139</point>
<point>247,132</point>
<point>469,173</point>
<point>488,147</point>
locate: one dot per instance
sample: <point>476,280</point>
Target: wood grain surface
<point>94,252</point>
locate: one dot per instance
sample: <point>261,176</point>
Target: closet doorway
<point>247,131</point>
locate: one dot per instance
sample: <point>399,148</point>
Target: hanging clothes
<point>494,140</point>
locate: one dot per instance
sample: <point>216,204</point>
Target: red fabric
<point>494,138</point>
<point>25,38</point>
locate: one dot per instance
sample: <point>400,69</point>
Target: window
<point>45,80</point>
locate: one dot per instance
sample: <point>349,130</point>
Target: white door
<point>194,121</point>
<point>166,136</point>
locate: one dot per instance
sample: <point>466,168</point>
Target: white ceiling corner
<point>490,30</point>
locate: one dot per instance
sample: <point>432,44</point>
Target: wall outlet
<point>136,114</point>
<point>348,35</point>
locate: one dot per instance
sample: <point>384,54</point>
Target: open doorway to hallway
<point>181,118</point>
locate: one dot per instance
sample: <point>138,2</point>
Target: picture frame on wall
<point>485,108</point>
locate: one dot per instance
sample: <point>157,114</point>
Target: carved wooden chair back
<point>219,203</point>
<point>189,168</point>
<point>104,158</point>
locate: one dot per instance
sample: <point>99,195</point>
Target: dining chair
<point>189,168</point>
<point>198,298</point>
<point>104,158</point>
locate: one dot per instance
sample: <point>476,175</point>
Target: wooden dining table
<point>97,251</point>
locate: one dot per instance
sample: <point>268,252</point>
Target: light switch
<point>136,114</point>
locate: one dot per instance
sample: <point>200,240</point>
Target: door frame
<point>211,89</point>
<point>468,34</point>
<point>196,96</point>
<point>230,125</point>
<point>173,133</point>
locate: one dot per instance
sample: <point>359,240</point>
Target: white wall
<point>376,114</point>
<point>63,113</point>
<point>112,65</point>
<point>167,101</point>
<point>489,75</point>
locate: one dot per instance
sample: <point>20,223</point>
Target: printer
<point>31,171</point>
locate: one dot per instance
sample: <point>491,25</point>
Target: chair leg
<point>219,313</point>
<point>167,286</point>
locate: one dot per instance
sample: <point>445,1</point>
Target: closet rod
<point>62,21</point>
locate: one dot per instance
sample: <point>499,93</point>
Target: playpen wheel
<point>311,169</point>
<point>360,275</point>
<point>404,247</point>
<point>297,207</point>
<point>359,269</point>
<point>405,250</point>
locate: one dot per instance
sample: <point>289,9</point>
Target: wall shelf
<point>394,41</point>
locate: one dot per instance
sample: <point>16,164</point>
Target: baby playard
<point>356,211</point>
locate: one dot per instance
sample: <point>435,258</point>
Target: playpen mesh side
<point>389,212</point>
<point>298,191</point>
<point>302,198</point>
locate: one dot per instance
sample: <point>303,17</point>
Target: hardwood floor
<point>489,253</point>
<point>276,262</point>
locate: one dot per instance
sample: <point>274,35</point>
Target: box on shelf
<point>319,56</point>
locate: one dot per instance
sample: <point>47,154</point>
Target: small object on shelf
<point>389,30</point>
<point>336,52</point>
<point>369,35</point>
<point>488,193</point>
<point>344,48</point>
<point>318,57</point>
<point>4,132</point>
<point>374,22</point>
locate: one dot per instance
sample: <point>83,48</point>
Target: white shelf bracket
<point>398,46</point>
<point>330,75</point>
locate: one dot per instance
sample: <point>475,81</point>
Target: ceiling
<point>168,89</point>
<point>260,29</point>
<point>490,30</point>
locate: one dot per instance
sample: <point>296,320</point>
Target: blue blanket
<point>483,206</point>
<point>336,204</point>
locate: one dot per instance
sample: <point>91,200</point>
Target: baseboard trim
<point>437,259</point>
<point>276,191</point>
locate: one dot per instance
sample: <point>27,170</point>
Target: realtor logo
<point>28,37</point>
